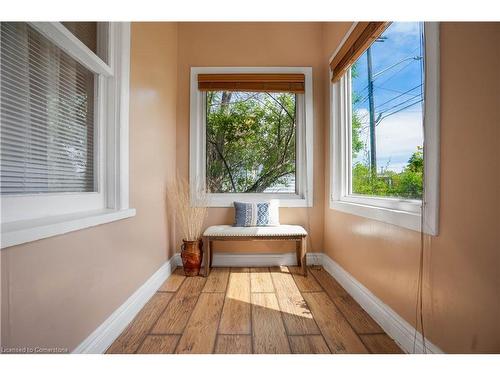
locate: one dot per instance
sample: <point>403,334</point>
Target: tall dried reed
<point>189,218</point>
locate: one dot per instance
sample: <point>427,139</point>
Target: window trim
<point>58,34</point>
<point>197,156</point>
<point>405,213</point>
<point>31,217</point>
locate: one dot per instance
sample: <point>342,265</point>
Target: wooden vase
<point>192,255</point>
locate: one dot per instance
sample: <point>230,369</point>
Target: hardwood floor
<point>253,310</point>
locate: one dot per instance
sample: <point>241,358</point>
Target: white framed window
<point>64,127</point>
<point>247,145</point>
<point>384,138</point>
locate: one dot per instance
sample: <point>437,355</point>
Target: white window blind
<point>47,116</point>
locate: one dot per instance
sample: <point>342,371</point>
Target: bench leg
<point>303,255</point>
<point>298,250</point>
<point>301,249</point>
<point>211,253</point>
<point>208,256</point>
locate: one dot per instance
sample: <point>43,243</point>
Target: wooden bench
<point>272,233</point>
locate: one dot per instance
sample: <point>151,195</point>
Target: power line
<point>379,120</point>
<point>361,101</point>
<point>373,122</point>
<point>397,72</point>
<point>416,58</point>
<point>390,100</point>
<point>377,75</point>
<point>410,56</point>
<point>389,89</point>
<point>397,96</point>
<point>400,103</point>
<point>365,98</point>
<point>399,110</point>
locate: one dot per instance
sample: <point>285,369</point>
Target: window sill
<point>227,200</point>
<point>409,220</point>
<point>19,232</point>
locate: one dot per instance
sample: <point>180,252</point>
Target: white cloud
<point>408,28</point>
<point>362,113</point>
<point>400,133</point>
<point>397,138</point>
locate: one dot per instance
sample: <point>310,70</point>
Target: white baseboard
<point>257,260</point>
<point>394,325</point>
<point>100,340</point>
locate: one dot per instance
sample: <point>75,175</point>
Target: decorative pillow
<point>256,214</point>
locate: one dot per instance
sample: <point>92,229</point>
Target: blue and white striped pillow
<point>256,214</point>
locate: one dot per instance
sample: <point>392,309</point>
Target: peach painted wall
<point>57,291</point>
<point>255,44</point>
<point>462,278</point>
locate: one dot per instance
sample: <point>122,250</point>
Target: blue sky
<point>397,70</point>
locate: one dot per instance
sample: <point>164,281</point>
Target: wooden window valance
<point>252,82</point>
<point>361,37</point>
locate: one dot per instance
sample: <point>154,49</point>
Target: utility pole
<point>373,139</point>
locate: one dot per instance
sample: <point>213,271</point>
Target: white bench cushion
<point>230,231</point>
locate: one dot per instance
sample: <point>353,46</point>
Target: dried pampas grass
<point>189,218</point>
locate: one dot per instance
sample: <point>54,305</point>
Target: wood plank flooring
<point>253,310</point>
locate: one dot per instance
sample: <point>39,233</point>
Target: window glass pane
<point>47,116</point>
<point>387,104</point>
<point>250,142</point>
<point>87,32</point>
